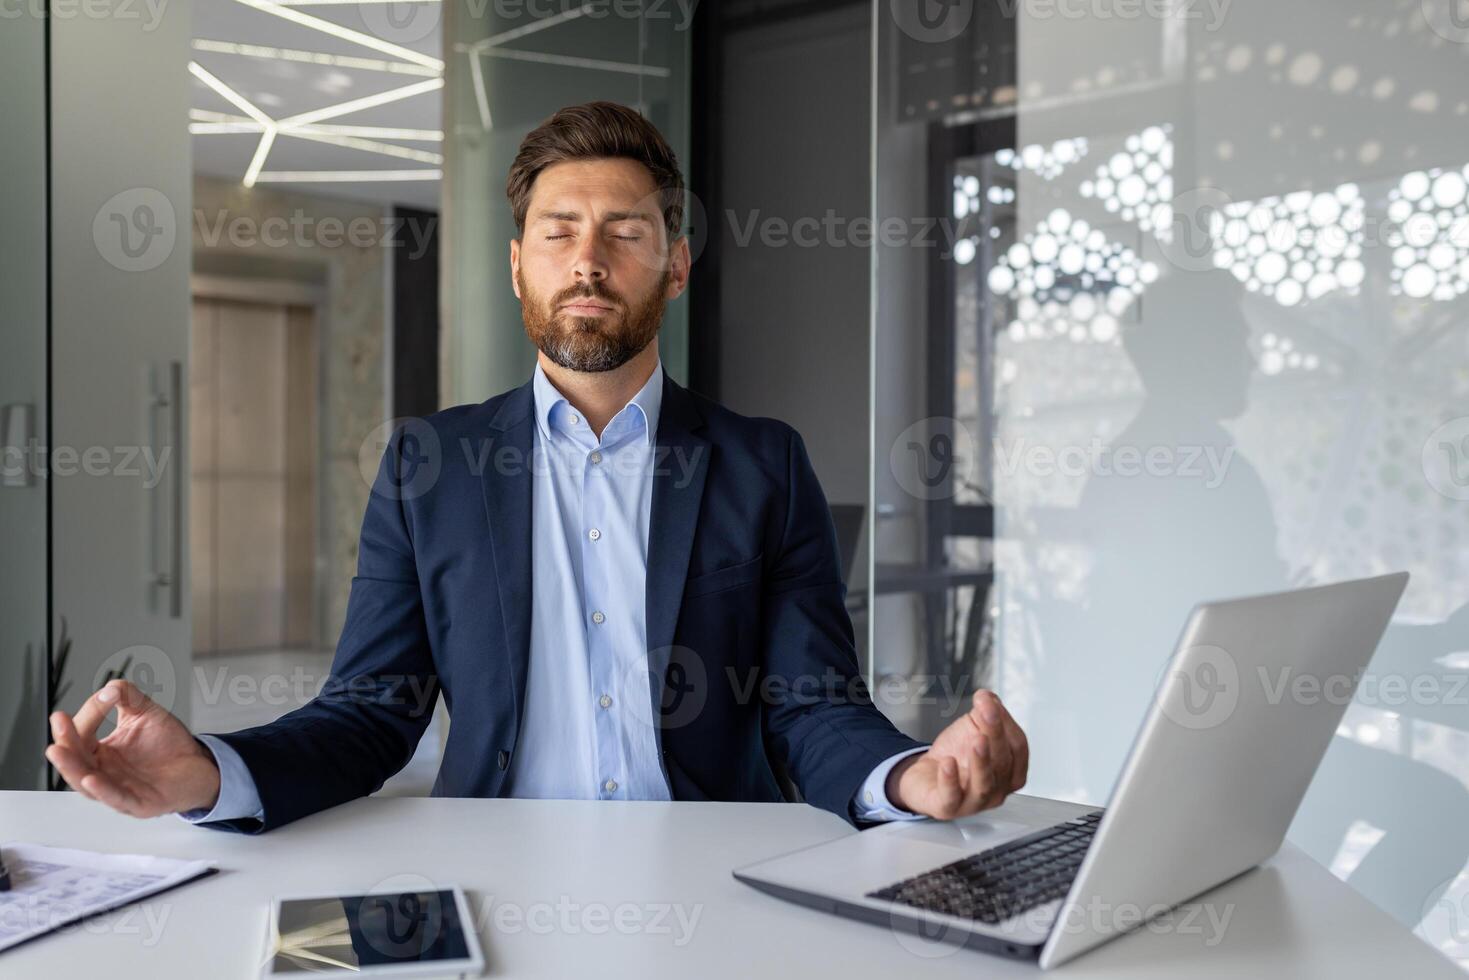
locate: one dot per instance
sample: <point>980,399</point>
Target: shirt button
<point>596,456</point>
<point>598,618</point>
<point>573,419</point>
<point>594,534</point>
<point>610,785</point>
<point>868,797</point>
<point>605,700</point>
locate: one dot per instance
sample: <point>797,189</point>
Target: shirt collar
<point>648,402</point>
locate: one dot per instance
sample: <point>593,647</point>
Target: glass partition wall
<point>24,562</point>
<point>1172,309</point>
<point>93,339</point>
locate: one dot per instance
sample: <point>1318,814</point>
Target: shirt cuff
<point>872,803</point>
<point>238,797</point>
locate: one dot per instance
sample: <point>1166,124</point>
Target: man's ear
<point>679,262</point>
<point>515,266</point>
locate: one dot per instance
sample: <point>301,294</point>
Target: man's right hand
<point>150,764</point>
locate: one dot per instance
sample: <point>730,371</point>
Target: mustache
<point>593,290</point>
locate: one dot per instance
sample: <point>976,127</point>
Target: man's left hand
<point>972,766</point>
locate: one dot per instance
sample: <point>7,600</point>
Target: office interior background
<point>973,252</point>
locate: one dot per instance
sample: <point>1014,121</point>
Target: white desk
<point>564,864</point>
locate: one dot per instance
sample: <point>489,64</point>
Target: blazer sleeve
<point>821,721</point>
<point>380,695</point>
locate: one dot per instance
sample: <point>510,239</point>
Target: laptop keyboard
<point>1004,881</point>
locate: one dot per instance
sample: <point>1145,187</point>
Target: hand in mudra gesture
<point>149,765</point>
<point>973,765</point>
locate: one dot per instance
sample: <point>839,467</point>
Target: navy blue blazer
<point>750,649</point>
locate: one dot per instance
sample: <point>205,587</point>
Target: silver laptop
<point>1209,788</point>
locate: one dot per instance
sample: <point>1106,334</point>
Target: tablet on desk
<point>378,934</point>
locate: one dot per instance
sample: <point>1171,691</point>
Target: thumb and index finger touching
<point>80,731</point>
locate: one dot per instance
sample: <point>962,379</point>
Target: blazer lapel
<point>681,461</point>
<point>506,483</point>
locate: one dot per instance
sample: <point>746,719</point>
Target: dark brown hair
<point>594,131</point>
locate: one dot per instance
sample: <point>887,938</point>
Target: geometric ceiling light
<point>303,125</point>
<point>1294,248</point>
<point>1047,162</point>
<point>486,47</point>
<point>473,51</point>
<point>312,57</point>
<point>365,102</point>
<point>1137,182</point>
<point>344,33</point>
<point>1066,279</point>
<point>300,126</point>
<point>205,121</point>
<point>1430,216</point>
<point>367,145</point>
<point>267,125</point>
<point>491,47</point>
<point>345,176</point>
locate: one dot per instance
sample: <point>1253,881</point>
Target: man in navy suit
<point>622,590</point>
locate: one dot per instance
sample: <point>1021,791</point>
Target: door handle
<point>168,517</point>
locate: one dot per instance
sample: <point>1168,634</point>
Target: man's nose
<point>590,263</point>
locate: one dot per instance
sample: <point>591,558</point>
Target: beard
<point>591,344</point>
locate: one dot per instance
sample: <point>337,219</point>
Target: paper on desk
<point>53,886</point>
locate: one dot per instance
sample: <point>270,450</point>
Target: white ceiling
<point>399,45</point>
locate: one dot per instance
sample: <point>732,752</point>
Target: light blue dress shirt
<point>588,728</point>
